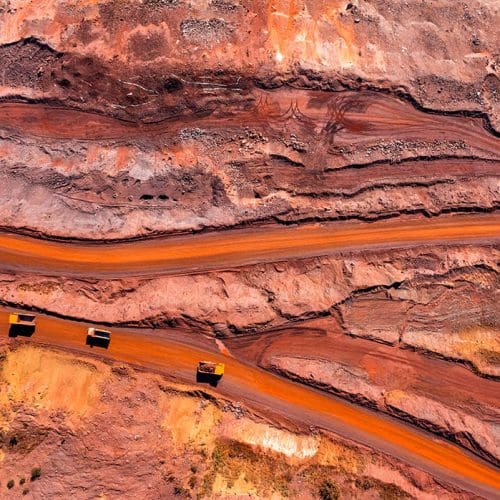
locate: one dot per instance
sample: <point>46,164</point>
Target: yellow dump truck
<point>22,319</point>
<point>21,324</point>
<point>209,368</point>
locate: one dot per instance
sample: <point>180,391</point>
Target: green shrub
<point>36,472</point>
<point>180,491</point>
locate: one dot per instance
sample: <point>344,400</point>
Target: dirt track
<point>360,117</point>
<point>263,391</point>
<point>188,254</point>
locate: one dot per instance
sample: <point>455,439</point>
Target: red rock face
<point>339,159</point>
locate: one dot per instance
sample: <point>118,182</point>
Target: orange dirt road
<point>265,391</point>
<point>234,248</point>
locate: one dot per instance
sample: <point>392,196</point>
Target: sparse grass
<point>43,288</point>
<point>389,491</point>
<point>328,490</point>
<point>318,477</point>
<point>490,357</point>
<point>265,471</point>
<point>161,3</point>
<point>386,491</point>
<point>341,457</point>
<point>169,477</point>
<point>363,483</point>
<point>27,439</point>
<point>51,389</point>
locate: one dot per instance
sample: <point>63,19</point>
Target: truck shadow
<point>97,342</point>
<point>207,378</point>
<point>21,330</point>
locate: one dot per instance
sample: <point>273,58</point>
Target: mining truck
<point>98,337</point>
<point>21,324</point>
<point>210,372</point>
<point>22,319</point>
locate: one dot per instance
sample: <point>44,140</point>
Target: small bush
<point>26,491</point>
<point>363,483</point>
<point>389,491</point>
<point>11,484</point>
<point>194,469</point>
<point>36,472</point>
<point>386,491</point>
<point>22,480</point>
<point>180,491</point>
<point>328,490</point>
<point>168,477</point>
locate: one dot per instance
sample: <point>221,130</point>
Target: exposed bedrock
<point>441,300</point>
<point>460,415</point>
<point>126,119</point>
<point>304,111</point>
<point>132,56</point>
<point>380,328</point>
<point>284,156</point>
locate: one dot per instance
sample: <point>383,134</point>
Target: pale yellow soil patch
<point>47,380</point>
<point>189,420</point>
<point>336,455</point>
<point>480,345</point>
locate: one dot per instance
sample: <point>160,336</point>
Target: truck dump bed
<point>211,368</point>
<point>99,334</point>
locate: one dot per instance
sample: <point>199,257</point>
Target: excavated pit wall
<point>134,119</point>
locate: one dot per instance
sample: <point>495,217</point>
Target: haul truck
<point>98,337</point>
<point>22,319</point>
<point>21,324</point>
<point>210,372</point>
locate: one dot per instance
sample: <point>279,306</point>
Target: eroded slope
<point>167,440</point>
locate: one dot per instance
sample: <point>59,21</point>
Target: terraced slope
<point>311,187</point>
